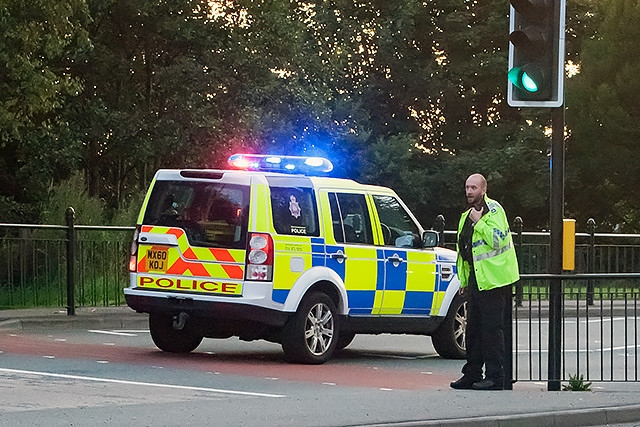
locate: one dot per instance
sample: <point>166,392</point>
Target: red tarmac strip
<point>332,372</point>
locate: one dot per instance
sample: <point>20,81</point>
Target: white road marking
<point>122,334</point>
<point>114,381</point>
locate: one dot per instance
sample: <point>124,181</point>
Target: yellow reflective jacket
<point>494,256</point>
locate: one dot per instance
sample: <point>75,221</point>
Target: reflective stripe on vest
<point>492,254</point>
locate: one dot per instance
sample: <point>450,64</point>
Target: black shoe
<point>488,384</point>
<point>464,383</point>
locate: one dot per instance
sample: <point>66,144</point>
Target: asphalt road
<point>66,372</point>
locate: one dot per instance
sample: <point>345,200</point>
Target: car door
<point>409,270</point>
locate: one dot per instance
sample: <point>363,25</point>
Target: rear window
<point>211,214</point>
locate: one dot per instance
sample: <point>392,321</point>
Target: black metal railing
<point>600,309</point>
<point>50,265</point>
<point>63,265</point>
<point>601,253</point>
<point>599,337</point>
<point>79,265</point>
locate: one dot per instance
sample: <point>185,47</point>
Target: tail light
<point>260,257</point>
<point>133,259</point>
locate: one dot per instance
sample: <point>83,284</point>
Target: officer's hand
<point>475,214</point>
<point>461,291</point>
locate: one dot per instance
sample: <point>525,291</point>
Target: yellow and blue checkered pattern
<point>374,284</point>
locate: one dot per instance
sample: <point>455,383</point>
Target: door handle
<point>339,256</point>
<point>395,259</point>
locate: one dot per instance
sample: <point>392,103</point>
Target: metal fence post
<point>518,225</point>
<point>439,227</point>
<point>591,228</point>
<point>71,245</point>
<point>507,319</point>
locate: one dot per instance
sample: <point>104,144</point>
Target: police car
<point>265,250</point>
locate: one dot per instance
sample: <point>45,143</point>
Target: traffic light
<point>536,53</point>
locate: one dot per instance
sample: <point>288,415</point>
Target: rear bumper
<point>206,309</point>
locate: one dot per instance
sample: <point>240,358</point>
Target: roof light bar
<point>289,164</point>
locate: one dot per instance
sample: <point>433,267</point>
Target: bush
<point>73,193</point>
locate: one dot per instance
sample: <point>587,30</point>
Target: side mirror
<point>430,239</point>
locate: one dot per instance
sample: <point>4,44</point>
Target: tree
<point>39,40</point>
<point>406,94</point>
<point>603,116</point>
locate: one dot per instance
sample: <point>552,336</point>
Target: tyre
<point>172,340</point>
<point>310,336</point>
<point>449,338</point>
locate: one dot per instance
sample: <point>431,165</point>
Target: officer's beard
<point>475,202</point>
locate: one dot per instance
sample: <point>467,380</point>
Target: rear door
<point>193,237</point>
<point>351,252</point>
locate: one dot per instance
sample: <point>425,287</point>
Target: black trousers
<point>485,331</point>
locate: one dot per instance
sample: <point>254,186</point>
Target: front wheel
<point>310,336</point>
<point>449,338</point>
<point>167,337</point>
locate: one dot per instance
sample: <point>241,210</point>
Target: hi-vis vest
<point>494,256</point>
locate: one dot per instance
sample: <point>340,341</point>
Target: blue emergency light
<point>272,163</point>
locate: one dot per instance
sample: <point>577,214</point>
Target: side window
<point>398,229</point>
<point>350,218</point>
<point>294,211</point>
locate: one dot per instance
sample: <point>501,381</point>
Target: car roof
<point>241,175</point>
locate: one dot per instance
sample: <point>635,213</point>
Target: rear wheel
<point>311,334</point>
<point>449,338</point>
<point>173,334</point>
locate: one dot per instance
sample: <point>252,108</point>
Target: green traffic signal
<point>536,53</point>
<point>527,78</point>
<point>529,84</point>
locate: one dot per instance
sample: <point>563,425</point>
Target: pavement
<point>528,404</point>
<point>121,317</point>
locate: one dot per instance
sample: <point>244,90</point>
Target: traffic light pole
<point>556,216</point>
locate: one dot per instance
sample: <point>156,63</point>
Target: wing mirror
<point>430,239</point>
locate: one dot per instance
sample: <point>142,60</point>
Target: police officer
<point>487,265</point>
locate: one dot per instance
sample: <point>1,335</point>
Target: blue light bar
<point>288,164</point>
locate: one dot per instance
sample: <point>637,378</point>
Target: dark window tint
<point>398,229</point>
<point>212,214</point>
<point>294,211</point>
<point>350,218</point>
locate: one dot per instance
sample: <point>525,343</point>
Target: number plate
<point>157,260</point>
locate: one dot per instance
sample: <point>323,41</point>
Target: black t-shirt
<point>465,240</point>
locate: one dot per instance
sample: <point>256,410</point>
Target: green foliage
<point>72,193</point>
<point>403,93</point>
<point>38,41</point>
<point>577,383</point>
<point>604,121</point>
<point>127,214</point>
